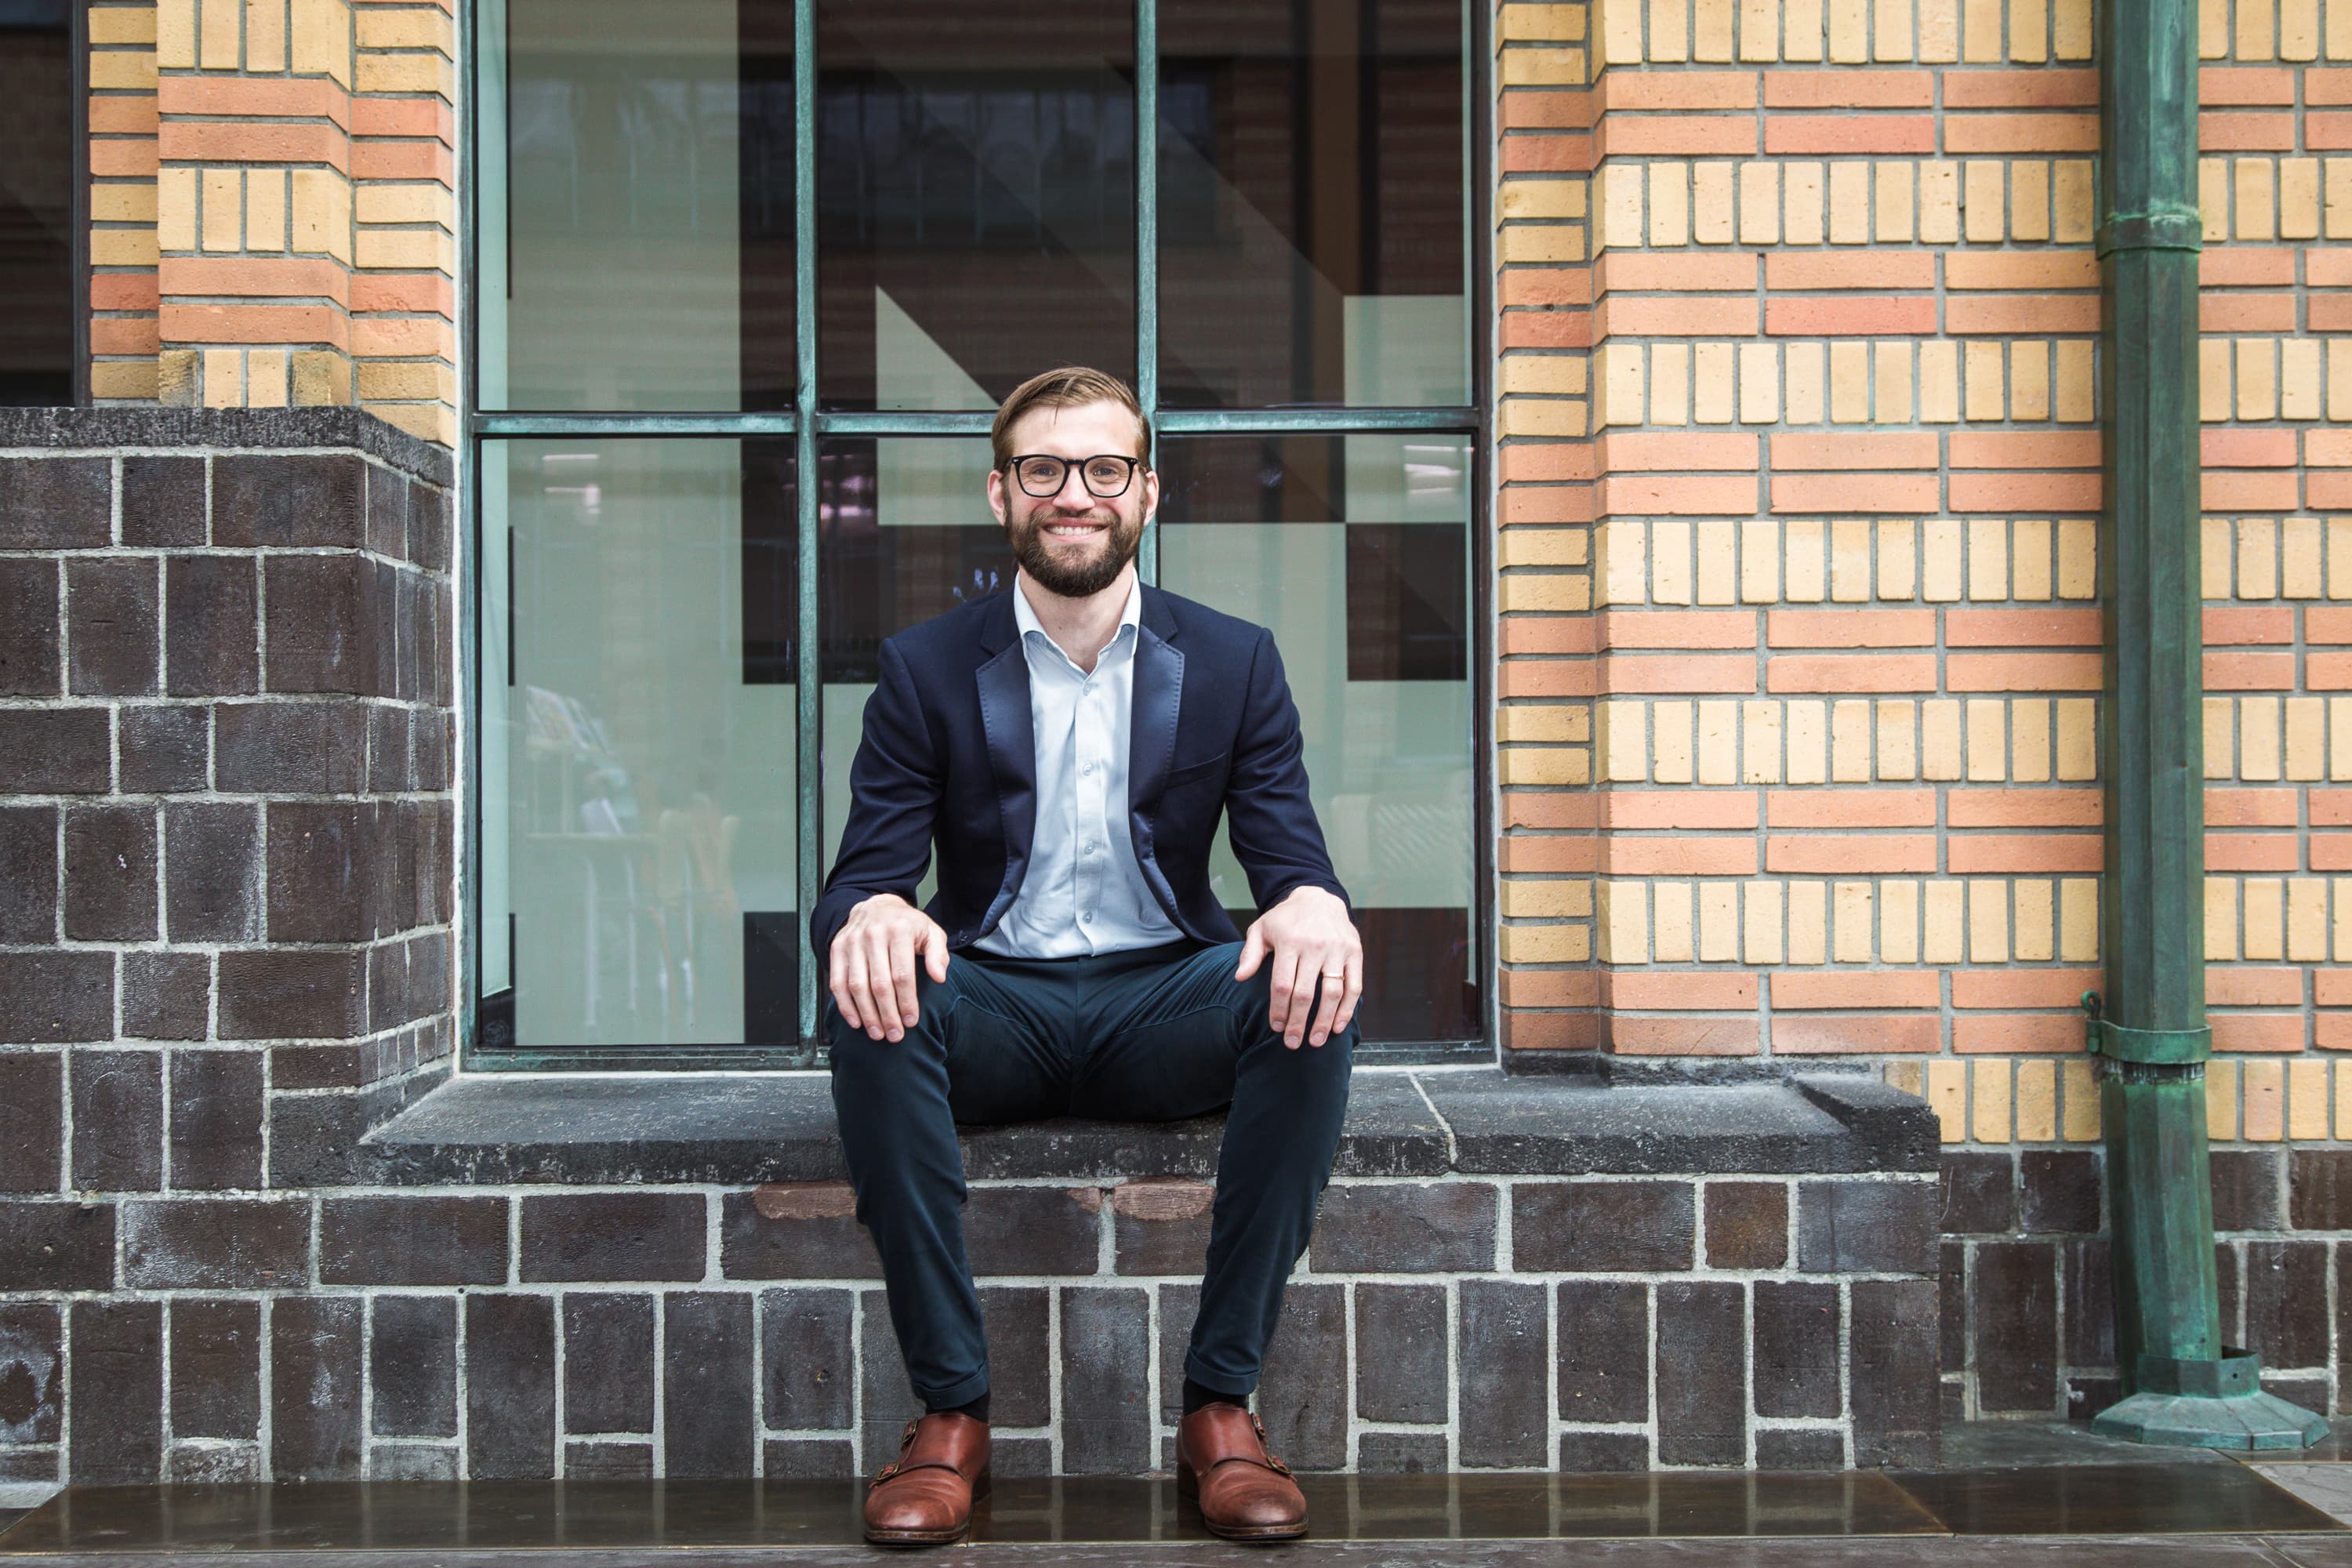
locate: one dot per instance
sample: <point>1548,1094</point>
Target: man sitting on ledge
<point>1070,745</point>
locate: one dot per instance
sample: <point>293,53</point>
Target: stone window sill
<point>496,1128</point>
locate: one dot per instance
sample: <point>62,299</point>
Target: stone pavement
<point>2009,1492</point>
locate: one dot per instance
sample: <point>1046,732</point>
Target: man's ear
<point>995,485</point>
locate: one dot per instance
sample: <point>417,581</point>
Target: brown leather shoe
<point>1246,1493</point>
<point>924,1497</point>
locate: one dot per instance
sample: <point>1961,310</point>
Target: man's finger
<point>1252,950</point>
<point>1291,978</point>
<point>935,950</point>
<point>1354,989</point>
<point>902,980</point>
<point>1280,960</point>
<point>1326,1015</point>
<point>882,1000</point>
<point>834,976</point>
<point>861,1004</point>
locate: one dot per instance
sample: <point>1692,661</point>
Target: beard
<point>1057,570</point>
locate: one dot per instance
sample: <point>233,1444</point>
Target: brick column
<point>226,734</point>
<point>254,211</point>
<point>295,240</point>
<point>1543,721</point>
<point>403,164</point>
<point>122,124</point>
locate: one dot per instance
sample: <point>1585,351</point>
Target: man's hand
<point>874,963</point>
<point>1312,941</point>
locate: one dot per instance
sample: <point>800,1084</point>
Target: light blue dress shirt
<point>1083,892</point>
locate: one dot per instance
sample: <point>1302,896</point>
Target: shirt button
<point>1087,768</point>
<point>1087,918</point>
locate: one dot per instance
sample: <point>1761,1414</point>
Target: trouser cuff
<point>955,1394</point>
<point>1223,1383</point>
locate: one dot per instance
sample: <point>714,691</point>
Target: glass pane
<point>905,534</point>
<point>637,205</point>
<point>1312,215</point>
<point>37,164</point>
<point>1356,551</point>
<point>975,190</point>
<point>638,868</point>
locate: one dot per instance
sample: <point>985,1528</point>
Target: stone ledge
<point>487,1128</point>
<point>225,429</point>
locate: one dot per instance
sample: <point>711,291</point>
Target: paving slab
<point>2113,1500</point>
<point>2004,1445</point>
<point>2327,1487</point>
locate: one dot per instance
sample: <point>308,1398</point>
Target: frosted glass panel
<point>639,767</point>
<point>635,240</point>
<point>1355,552</point>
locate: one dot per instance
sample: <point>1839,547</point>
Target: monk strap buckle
<point>885,1473</point>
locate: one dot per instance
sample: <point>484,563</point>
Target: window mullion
<point>809,665</point>
<point>1147,241</point>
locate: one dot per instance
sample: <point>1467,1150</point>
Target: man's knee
<point>1255,1004</point>
<point>858,1057</point>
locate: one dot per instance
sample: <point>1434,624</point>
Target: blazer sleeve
<point>1271,821</point>
<point>896,783</point>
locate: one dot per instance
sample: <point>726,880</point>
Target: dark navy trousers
<point>1149,1035</point>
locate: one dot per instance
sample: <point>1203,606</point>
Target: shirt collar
<point>1025,617</point>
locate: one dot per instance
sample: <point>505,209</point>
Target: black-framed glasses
<point>1106,475</point>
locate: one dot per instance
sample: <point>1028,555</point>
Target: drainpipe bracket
<point>2173,1047</point>
<point>2169,1047</point>
<point>2172,228</point>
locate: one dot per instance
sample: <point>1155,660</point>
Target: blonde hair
<point>1071,386</point>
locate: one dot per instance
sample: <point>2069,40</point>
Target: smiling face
<point>1072,542</point>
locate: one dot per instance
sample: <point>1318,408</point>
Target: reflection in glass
<point>638,722</point>
<point>636,236</point>
<point>1312,186</point>
<point>1356,551</point>
<point>905,534</point>
<point>975,190</point>
<point>37,171</point>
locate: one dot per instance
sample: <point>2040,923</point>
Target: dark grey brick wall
<point>342,1333</point>
<point>226,696</point>
<point>2028,1293</point>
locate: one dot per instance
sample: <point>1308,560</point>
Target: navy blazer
<point>948,753</point>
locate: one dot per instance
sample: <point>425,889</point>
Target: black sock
<point>1196,1395</point>
<point>977,1409</point>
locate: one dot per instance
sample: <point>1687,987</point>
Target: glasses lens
<point>1107,477</point>
<point>1042,475</point>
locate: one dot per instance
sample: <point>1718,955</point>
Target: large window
<point>750,278</point>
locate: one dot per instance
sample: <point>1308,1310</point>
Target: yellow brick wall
<point>1797,542</point>
<point>279,228</point>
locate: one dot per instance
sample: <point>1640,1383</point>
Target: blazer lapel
<point>1158,697</point>
<point>1003,686</point>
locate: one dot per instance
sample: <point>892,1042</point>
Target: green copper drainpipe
<point>2181,1385</point>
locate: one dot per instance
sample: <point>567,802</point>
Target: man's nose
<point>1075,480</point>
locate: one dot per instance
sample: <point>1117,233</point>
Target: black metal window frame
<point>807,423</point>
